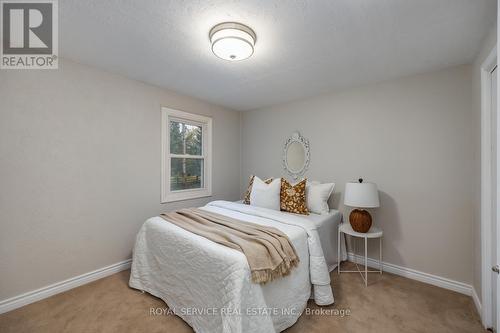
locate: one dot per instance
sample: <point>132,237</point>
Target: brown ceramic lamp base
<point>360,220</point>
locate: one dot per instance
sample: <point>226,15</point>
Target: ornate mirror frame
<point>296,137</point>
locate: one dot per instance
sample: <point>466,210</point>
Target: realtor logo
<point>29,34</point>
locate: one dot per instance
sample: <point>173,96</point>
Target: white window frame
<point>168,114</point>
<point>487,188</point>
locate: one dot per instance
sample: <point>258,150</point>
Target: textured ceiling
<point>303,48</point>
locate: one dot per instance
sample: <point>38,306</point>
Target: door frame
<point>486,187</point>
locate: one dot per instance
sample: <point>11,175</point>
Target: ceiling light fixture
<point>232,41</point>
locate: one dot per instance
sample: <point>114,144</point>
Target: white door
<point>495,234</point>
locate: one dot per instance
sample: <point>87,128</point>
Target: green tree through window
<point>186,139</point>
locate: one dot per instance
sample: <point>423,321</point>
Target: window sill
<point>185,195</point>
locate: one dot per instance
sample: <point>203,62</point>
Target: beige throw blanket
<point>269,252</point>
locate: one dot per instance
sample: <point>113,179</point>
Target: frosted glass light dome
<point>232,41</point>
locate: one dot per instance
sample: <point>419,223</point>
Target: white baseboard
<point>409,273</point>
<point>56,288</point>
<point>59,287</point>
<point>477,303</point>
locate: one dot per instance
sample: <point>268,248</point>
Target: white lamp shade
<point>363,195</point>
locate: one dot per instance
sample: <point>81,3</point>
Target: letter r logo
<point>27,27</point>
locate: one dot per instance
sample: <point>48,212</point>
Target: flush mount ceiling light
<point>232,41</point>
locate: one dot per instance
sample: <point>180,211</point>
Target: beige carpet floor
<point>389,304</point>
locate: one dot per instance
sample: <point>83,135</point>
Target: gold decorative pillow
<point>293,198</point>
<point>246,197</point>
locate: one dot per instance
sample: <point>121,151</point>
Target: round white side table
<point>374,232</point>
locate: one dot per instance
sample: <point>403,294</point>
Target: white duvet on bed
<point>209,285</point>
<point>328,227</point>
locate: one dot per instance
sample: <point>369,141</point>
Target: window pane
<point>185,139</point>
<point>186,173</point>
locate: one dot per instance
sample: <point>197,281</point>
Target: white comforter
<point>209,285</point>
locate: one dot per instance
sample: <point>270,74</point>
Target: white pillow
<point>317,196</point>
<point>265,195</point>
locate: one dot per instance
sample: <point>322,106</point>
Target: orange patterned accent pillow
<point>246,197</point>
<point>293,198</point>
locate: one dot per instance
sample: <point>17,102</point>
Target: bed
<point>208,285</point>
<point>327,226</point>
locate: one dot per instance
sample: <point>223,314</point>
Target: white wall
<point>80,169</point>
<point>412,136</point>
<point>487,45</point>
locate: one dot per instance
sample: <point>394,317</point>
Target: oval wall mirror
<point>296,155</point>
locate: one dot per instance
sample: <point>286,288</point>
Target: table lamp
<point>361,195</point>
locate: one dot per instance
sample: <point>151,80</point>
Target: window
<point>186,156</point>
